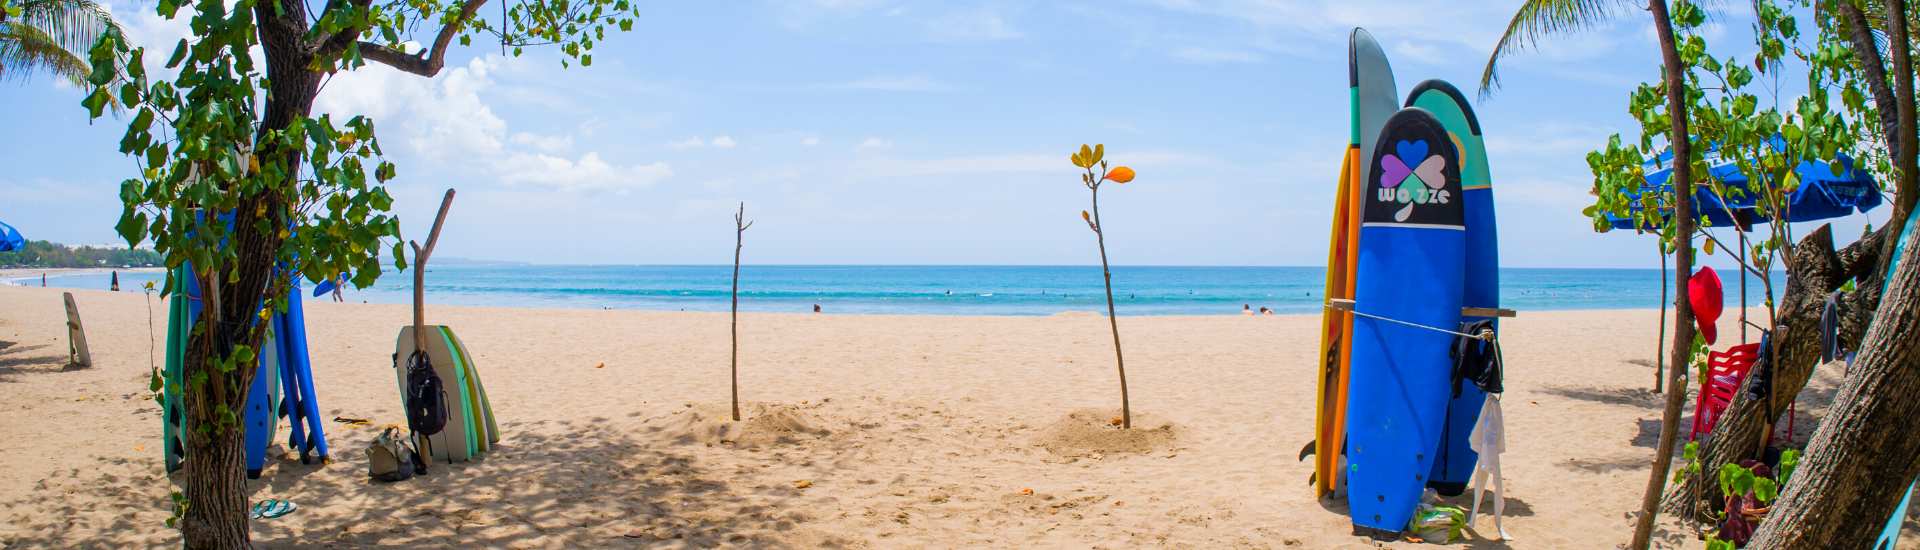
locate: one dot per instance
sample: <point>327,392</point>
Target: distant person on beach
<point>116,282</point>
<point>816,308</point>
<point>1247,309</point>
<point>1264,310</point>
<point>338,297</point>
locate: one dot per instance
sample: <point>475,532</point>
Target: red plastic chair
<point>1725,371</point>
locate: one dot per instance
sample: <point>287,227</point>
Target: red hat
<point>1704,295</point>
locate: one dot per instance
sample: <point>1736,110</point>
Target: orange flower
<point>1120,174</point>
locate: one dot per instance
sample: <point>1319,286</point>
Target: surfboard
<point>299,404</point>
<point>473,373</point>
<point>1454,458</point>
<point>1411,269</point>
<point>454,443</point>
<point>1371,99</point>
<point>262,418</point>
<point>173,412</point>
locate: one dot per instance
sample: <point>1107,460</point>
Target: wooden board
<point>78,356</point>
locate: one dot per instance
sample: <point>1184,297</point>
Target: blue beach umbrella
<point>10,239</point>
<point>1823,193</point>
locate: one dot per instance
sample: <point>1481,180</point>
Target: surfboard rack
<point>1344,304</point>
<point>1487,312</point>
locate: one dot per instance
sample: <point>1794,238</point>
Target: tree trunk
<point>214,483</point>
<point>216,514</point>
<point>733,319</point>
<point>1100,235</point>
<point>1860,460</point>
<point>1678,139</point>
<point>1741,430</point>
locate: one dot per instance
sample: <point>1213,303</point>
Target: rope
<point>1486,335</point>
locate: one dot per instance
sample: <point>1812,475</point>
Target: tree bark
<point>1679,139</point>
<point>1898,50</point>
<point>1860,460</point>
<point>1741,430</point>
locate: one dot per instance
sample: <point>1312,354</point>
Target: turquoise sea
<point>950,290</point>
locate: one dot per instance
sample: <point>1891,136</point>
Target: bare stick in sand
<point>740,226</point>
<point>1086,159</point>
<point>420,255</point>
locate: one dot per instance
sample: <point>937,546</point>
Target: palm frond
<point>1537,19</point>
<point>73,24</point>
<point>25,50</point>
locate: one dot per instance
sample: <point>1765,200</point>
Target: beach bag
<point>1475,360</point>
<point>426,397</point>
<point>389,459</point>
<point>1441,524</point>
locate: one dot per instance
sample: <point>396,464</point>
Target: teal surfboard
<point>1454,457</point>
<point>1412,271</point>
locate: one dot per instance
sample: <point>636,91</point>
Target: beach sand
<point>863,431</point>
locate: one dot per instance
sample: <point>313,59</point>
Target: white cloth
<point>1489,438</point>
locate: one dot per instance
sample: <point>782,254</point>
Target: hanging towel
<point>1762,373</point>
<point>1489,438</point>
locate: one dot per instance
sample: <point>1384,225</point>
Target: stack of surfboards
<point>283,386</point>
<point>1413,240</point>
<point>471,429</point>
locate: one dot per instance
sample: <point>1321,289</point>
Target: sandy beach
<point>864,431</point>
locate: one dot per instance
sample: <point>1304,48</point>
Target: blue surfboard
<point>1454,458</point>
<point>1412,269</point>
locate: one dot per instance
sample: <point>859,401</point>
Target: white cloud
<point>549,144</point>
<point>983,24</point>
<point>1211,56</point>
<point>873,143</point>
<point>696,142</point>
<point>896,83</point>
<point>444,119</point>
<point>810,141</point>
<point>587,173</point>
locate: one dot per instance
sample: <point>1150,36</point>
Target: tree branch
<point>429,62</point>
<point>331,46</point>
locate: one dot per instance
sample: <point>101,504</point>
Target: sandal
<point>271,508</point>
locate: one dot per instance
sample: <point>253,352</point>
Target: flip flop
<point>271,508</point>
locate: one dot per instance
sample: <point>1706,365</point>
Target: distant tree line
<point>51,254</point>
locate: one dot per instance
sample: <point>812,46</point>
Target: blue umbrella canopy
<point>10,239</point>
<point>1824,192</point>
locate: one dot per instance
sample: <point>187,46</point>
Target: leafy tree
<point>1087,158</point>
<point>238,178</point>
<point>51,36</point>
<point>1538,18</point>
<point>50,254</point>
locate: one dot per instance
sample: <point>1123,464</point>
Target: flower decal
<point>1421,182</point>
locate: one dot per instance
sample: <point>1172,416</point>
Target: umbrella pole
<point>1743,288</point>
<point>1660,359</point>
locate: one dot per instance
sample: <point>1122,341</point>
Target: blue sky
<point>876,131</point>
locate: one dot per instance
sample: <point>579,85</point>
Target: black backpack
<point>426,397</point>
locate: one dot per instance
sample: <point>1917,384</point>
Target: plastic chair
<point>1725,371</point>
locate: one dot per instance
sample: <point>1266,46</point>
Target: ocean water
<point>950,290</point>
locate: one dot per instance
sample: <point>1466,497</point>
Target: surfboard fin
<point>1308,450</point>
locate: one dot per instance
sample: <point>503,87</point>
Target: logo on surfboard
<point>1415,180</point>
<point>1411,176</point>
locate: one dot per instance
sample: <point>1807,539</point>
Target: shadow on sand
<point>589,486</point>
